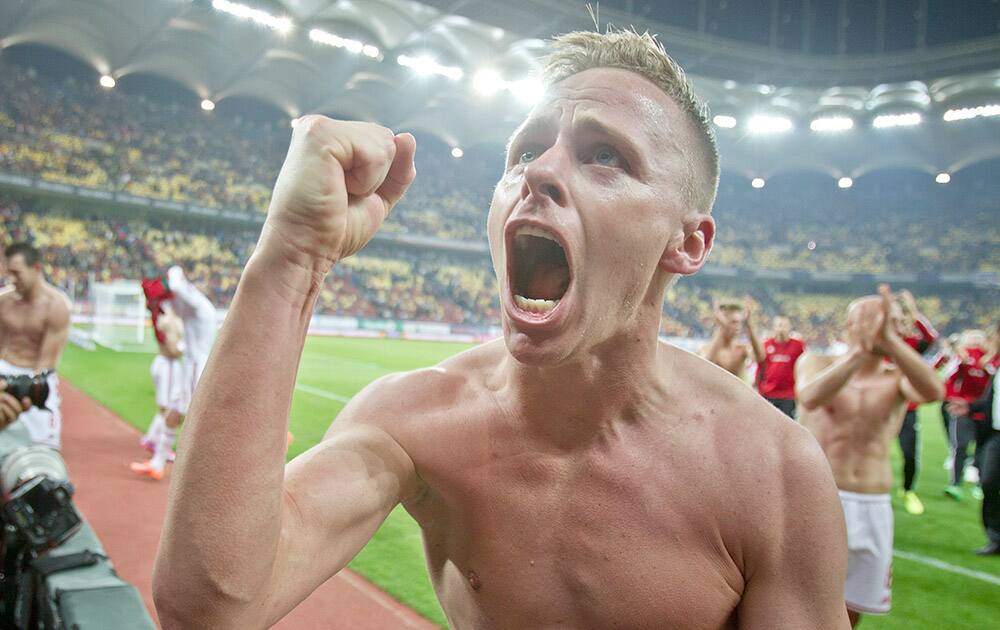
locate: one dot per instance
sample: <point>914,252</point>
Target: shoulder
<point>59,304</point>
<point>397,401</point>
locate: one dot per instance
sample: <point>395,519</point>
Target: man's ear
<point>687,251</point>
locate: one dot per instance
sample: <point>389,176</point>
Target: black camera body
<point>53,571</point>
<point>34,387</point>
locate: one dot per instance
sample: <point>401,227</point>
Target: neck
<point>579,399</point>
<point>31,294</point>
<point>870,361</point>
<point>781,338</point>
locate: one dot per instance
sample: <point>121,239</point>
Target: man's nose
<point>545,177</point>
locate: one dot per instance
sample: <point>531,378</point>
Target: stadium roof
<point>360,75</point>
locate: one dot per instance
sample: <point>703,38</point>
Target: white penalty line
<point>322,393</point>
<point>944,566</point>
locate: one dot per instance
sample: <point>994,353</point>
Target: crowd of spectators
<point>72,131</point>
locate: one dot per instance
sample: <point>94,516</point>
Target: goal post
<point>119,314</point>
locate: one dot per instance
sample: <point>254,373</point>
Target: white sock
<point>162,447</point>
<point>154,428</point>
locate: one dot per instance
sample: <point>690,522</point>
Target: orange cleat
<point>146,469</point>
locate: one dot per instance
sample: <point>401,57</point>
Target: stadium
<point>858,145</point>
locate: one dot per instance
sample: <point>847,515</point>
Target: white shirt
<point>197,313</point>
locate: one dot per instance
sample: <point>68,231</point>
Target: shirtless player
<point>725,349</point>
<point>854,405</point>
<point>34,326</point>
<point>639,469</point>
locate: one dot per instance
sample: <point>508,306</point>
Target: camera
<point>34,387</point>
<point>53,571</point>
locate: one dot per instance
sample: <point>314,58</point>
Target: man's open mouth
<point>539,271</point>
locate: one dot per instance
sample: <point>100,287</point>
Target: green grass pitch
<point>923,596</point>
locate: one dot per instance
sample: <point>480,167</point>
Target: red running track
<point>127,513</point>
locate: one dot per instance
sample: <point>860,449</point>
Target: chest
<point>619,541</point>
<point>23,319</point>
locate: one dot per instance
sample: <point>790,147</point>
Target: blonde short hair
<point>643,54</point>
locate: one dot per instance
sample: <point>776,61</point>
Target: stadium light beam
<point>107,81</point>
<point>457,152</point>
<point>831,124</point>
<point>886,121</point>
<point>488,82</point>
<point>281,24</point>
<point>207,105</point>
<point>320,36</point>
<point>942,178</point>
<point>757,182</point>
<point>769,124</point>
<point>726,122</point>
<point>845,182</point>
<point>424,65</point>
<point>528,91</point>
<point>967,113</point>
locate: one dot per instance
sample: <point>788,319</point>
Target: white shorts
<point>869,552</point>
<point>191,369</point>
<point>168,380</point>
<point>44,426</point>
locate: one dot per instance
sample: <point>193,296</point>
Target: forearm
<point>921,376</point>
<point>225,509</point>
<point>820,389</point>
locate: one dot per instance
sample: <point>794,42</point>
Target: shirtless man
<point>725,348</point>
<point>854,405</point>
<point>638,468</point>
<point>34,326</point>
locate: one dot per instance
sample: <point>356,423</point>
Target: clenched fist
<point>337,185</point>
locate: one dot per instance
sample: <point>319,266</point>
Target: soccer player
<point>854,405</point>
<point>34,327</point>
<point>635,466</point>
<point>198,317</point>
<point>167,370</point>
<point>966,382</point>
<point>776,371</point>
<point>725,349</point>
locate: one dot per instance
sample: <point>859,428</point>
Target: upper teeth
<point>531,230</point>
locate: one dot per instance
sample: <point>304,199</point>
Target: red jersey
<point>969,378</point>
<point>776,374</point>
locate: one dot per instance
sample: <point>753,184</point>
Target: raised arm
<point>246,538</point>
<point>710,351</point>
<point>920,383</point>
<point>817,379</point>
<point>795,569</point>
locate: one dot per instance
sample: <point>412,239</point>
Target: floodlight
<point>942,178</point>
<point>425,65</point>
<point>896,120</point>
<point>757,182</point>
<point>965,113</point>
<point>207,105</point>
<point>726,122</point>
<point>769,124</point>
<point>320,36</point>
<point>280,24</point>
<point>107,81</point>
<point>831,123</point>
<point>845,182</point>
<point>456,152</point>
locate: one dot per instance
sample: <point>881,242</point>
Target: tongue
<point>548,282</point>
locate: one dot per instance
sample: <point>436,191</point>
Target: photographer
<point>34,326</point>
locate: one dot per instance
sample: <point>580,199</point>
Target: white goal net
<point>119,314</point>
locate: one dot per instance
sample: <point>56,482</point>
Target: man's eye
<point>526,156</point>
<point>607,156</point>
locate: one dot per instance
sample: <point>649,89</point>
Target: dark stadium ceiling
<point>219,56</point>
